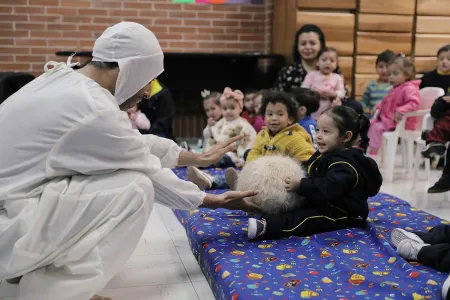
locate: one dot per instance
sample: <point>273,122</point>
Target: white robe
<point>77,185</point>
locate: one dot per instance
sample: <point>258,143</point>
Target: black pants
<point>304,222</point>
<point>437,255</point>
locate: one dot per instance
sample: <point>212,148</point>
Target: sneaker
<point>398,235</point>
<point>256,228</point>
<point>231,178</point>
<point>409,249</point>
<point>446,289</point>
<point>433,150</point>
<point>441,186</point>
<point>201,179</point>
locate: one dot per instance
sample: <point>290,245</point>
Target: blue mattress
<point>345,264</point>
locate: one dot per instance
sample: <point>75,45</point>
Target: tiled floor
<point>163,267</point>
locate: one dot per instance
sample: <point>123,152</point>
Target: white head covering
<point>138,53</point>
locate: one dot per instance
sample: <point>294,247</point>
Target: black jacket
<point>343,179</point>
<point>434,79</point>
<point>440,108</point>
<point>160,110</point>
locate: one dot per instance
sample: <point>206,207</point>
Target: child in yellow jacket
<point>280,135</point>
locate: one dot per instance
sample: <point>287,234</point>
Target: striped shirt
<point>374,93</point>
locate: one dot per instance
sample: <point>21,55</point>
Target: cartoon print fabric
<point>345,264</point>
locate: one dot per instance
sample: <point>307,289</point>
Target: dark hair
<point>250,91</point>
<point>279,97</point>
<point>308,98</point>
<point>405,65</point>
<point>215,97</point>
<point>104,65</point>
<point>327,49</point>
<point>346,119</point>
<point>306,28</point>
<point>386,56</point>
<point>445,48</point>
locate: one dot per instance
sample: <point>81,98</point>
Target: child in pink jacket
<point>402,98</point>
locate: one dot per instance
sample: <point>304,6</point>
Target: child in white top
<point>329,85</point>
<point>231,125</point>
<point>211,105</point>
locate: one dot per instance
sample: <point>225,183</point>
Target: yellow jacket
<point>292,141</point>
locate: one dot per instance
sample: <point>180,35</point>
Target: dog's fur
<point>266,175</point>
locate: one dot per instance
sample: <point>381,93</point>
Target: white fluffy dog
<point>266,175</point>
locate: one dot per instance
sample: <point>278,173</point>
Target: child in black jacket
<point>436,140</point>
<point>340,180</point>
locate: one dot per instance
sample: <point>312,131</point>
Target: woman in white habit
<point>77,183</point>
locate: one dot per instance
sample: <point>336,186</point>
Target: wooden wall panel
<point>346,66</point>
<point>328,4</point>
<point>376,42</point>
<point>338,28</point>
<point>429,44</point>
<point>365,64</point>
<point>389,23</point>
<point>427,24</point>
<point>361,81</point>
<point>425,64</point>
<point>433,7</point>
<point>284,26</point>
<point>398,7</point>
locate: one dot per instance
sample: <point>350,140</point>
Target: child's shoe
<point>256,228</point>
<point>409,249</point>
<point>201,179</point>
<point>433,150</point>
<point>231,178</point>
<point>398,235</point>
<point>442,186</point>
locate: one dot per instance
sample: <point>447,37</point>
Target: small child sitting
<point>429,248</point>
<point>211,105</point>
<point>249,108</point>
<point>376,90</point>
<point>138,119</point>
<point>404,97</point>
<point>340,180</point>
<point>308,103</point>
<point>439,77</point>
<point>329,85</point>
<point>281,135</point>
<point>259,119</point>
<point>231,125</point>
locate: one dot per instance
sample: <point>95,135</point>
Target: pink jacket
<point>403,98</point>
<point>259,123</point>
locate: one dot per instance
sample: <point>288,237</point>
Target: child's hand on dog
<point>291,184</point>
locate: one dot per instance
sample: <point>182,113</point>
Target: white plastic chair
<point>408,137</point>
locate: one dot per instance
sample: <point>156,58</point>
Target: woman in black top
<point>309,40</point>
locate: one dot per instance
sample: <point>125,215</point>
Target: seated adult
<point>77,183</point>
<point>159,107</point>
<point>309,41</point>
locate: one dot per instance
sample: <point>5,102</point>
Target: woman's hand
<point>291,184</point>
<point>398,117</point>
<point>329,94</point>
<point>232,200</point>
<point>446,99</point>
<point>336,102</point>
<point>216,152</point>
<point>207,158</point>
